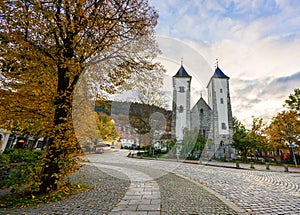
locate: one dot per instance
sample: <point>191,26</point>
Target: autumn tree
<point>45,48</point>
<point>284,129</point>
<point>106,127</point>
<point>85,122</point>
<point>257,132</point>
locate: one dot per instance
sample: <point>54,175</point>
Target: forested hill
<point>135,115</point>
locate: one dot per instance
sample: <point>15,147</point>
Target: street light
<point>292,146</point>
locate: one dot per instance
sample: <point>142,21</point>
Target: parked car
<point>99,150</point>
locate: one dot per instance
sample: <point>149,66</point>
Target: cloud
<point>262,34</point>
<point>261,97</point>
<point>257,43</point>
<point>261,76</point>
<point>284,84</point>
<point>213,20</point>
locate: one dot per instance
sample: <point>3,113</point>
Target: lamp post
<point>292,146</point>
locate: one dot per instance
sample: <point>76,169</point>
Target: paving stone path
<point>155,191</point>
<point>181,196</point>
<point>256,192</point>
<point>252,191</point>
<point>106,192</point>
<point>142,198</point>
<point>124,185</point>
<point>143,195</point>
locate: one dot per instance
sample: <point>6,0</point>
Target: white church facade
<point>213,119</point>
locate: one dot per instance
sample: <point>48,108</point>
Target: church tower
<point>222,121</point>
<point>181,103</point>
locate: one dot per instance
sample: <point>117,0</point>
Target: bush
<point>22,155</point>
<point>4,159</point>
<point>157,151</point>
<point>22,167</point>
<point>8,151</point>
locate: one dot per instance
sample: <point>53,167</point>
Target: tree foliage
<point>140,118</point>
<point>258,134</point>
<point>243,141</point>
<point>293,101</point>
<point>193,142</point>
<point>106,127</point>
<point>45,48</point>
<point>284,129</point>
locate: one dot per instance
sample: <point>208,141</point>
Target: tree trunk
<point>50,168</point>
<point>63,110</point>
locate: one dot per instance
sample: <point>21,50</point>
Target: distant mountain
<point>135,115</point>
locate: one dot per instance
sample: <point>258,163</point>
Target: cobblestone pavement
<point>181,196</point>
<point>262,167</point>
<point>124,185</point>
<point>252,191</point>
<point>106,192</point>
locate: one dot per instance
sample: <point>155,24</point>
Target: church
<point>213,119</point>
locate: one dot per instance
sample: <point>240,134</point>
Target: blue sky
<point>257,44</point>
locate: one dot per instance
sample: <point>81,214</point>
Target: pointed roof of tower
<point>182,72</point>
<point>219,74</point>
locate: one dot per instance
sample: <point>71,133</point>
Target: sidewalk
<point>247,166</point>
<point>261,167</point>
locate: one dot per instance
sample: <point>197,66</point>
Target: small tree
<point>106,127</point>
<point>242,139</point>
<point>199,145</point>
<point>258,134</point>
<point>193,142</point>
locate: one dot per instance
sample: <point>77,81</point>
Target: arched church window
<point>201,111</point>
<point>221,100</point>
<point>180,109</point>
<point>181,89</point>
<point>224,126</point>
<point>221,90</point>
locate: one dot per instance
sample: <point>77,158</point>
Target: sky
<point>256,42</point>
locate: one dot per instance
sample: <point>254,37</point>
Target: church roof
<point>219,74</point>
<point>182,72</point>
<point>201,103</point>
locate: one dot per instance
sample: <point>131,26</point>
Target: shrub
<point>22,166</point>
<point>19,155</point>
<point>157,151</point>
<point>8,151</point>
<point>4,159</point>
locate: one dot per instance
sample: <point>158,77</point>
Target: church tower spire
<point>219,101</point>
<point>181,102</point>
